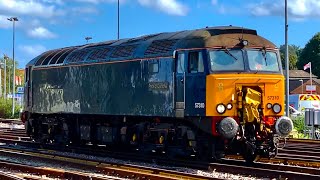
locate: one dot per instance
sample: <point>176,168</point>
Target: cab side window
<point>180,63</point>
<point>195,62</point>
<point>153,66</point>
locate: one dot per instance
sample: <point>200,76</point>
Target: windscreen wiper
<point>226,50</point>
<point>264,54</point>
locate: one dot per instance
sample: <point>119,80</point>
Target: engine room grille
<point>54,60</point>
<point>99,54</point>
<point>160,47</point>
<point>78,56</point>
<point>43,57</point>
<point>123,51</point>
<point>63,57</point>
<point>143,38</point>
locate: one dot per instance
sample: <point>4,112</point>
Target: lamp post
<point>13,20</point>
<point>118,19</point>
<point>301,80</point>
<point>286,57</point>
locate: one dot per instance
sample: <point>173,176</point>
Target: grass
<point>6,109</point>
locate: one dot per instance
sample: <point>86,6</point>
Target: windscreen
<point>260,60</point>
<point>226,60</point>
<point>243,60</point>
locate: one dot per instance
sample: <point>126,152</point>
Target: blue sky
<point>50,24</point>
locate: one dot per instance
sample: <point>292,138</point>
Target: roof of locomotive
<point>150,46</point>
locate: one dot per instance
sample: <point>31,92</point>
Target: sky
<point>49,24</point>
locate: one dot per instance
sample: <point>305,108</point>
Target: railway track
<point>134,171</point>
<point>235,166</point>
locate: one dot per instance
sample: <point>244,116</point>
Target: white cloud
<point>99,1</point>
<point>41,33</point>
<point>60,2</point>
<point>32,50</point>
<point>172,7</point>
<point>84,10</point>
<point>29,7</point>
<point>297,9</point>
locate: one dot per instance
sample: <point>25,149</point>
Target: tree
<point>293,57</point>
<point>298,50</point>
<point>9,74</point>
<point>311,53</point>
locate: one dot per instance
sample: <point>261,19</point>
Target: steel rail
<point>110,169</point>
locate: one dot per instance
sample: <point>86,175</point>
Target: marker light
<point>269,105</point>
<point>229,106</point>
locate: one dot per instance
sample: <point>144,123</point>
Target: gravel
<point>212,174</point>
<point>58,166</point>
<point>11,125</point>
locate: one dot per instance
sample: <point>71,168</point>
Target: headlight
<point>245,42</point>
<point>221,108</point>
<point>276,108</point>
<point>229,106</point>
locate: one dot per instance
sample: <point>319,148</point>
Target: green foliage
<point>294,51</point>
<point>9,70</point>
<point>299,124</point>
<point>6,109</point>
<point>311,53</point>
<point>297,49</point>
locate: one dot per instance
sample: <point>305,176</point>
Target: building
<point>300,83</point>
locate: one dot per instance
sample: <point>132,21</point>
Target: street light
<point>13,20</point>
<point>301,80</point>
<point>88,38</point>
<point>118,19</point>
<point>286,57</point>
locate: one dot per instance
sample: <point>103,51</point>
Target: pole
<point>5,77</point>
<point>14,70</point>
<point>118,19</point>
<point>0,80</point>
<point>13,19</point>
<point>311,76</point>
<point>9,81</point>
<point>287,58</point>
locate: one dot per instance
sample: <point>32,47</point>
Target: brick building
<point>300,79</point>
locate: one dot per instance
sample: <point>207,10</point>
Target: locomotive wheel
<point>28,128</point>
<point>250,155</point>
<point>250,158</point>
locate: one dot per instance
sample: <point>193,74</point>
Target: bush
<point>6,109</point>
<point>299,124</point>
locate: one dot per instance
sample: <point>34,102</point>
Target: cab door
<point>179,82</point>
<point>27,89</point>
<point>195,83</point>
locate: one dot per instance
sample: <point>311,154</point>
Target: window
<point>180,63</point>
<point>263,61</point>
<point>226,60</point>
<point>154,66</point>
<point>195,62</point>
